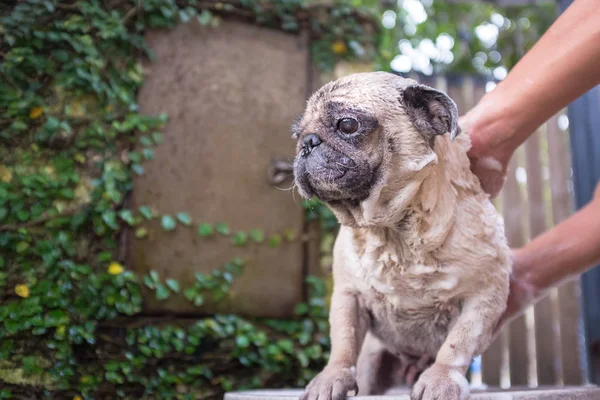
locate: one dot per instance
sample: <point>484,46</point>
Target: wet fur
<point>421,264</point>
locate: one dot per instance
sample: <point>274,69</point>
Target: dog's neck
<point>427,203</point>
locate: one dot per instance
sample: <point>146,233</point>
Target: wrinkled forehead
<point>332,101</point>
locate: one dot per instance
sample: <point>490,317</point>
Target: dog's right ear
<point>431,111</point>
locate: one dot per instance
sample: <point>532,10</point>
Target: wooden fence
<point>541,348</point>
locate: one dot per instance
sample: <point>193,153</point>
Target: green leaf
<point>138,169</point>
<point>190,293</point>
<point>141,233</point>
<point>56,318</point>
<point>198,300</point>
<point>148,282</point>
<point>303,359</point>
<point>168,223</point>
<point>257,235</point>
<point>19,126</point>
<point>184,218</point>
<point>235,266</point>
<point>222,228</point>
<point>242,341</point>
<point>67,193</point>
<point>21,247</point>
<point>154,276</point>
<point>287,345</point>
<point>205,230</point>
<point>22,215</point>
<point>301,309</point>
<point>239,239</point>
<point>51,124</point>
<point>148,154</point>
<point>157,137</point>
<point>275,241</point>
<point>162,293</point>
<point>110,219</point>
<point>127,216</point>
<point>145,141</point>
<point>205,17</point>
<point>183,17</point>
<point>173,285</point>
<point>289,235</point>
<point>105,256</point>
<point>135,157</point>
<point>146,212</point>
<point>30,365</point>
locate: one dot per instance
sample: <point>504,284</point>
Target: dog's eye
<point>348,126</point>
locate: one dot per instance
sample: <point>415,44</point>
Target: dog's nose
<point>310,142</point>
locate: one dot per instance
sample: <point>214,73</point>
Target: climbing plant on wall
<point>69,122</point>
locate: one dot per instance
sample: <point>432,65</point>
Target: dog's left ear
<point>431,111</point>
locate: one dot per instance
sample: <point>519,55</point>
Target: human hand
<point>522,292</point>
<point>489,158</point>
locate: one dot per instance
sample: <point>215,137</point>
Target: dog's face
<point>366,132</point>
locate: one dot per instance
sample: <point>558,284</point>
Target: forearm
<point>563,252</point>
<point>559,68</point>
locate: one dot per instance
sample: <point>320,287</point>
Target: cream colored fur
<point>421,266</point>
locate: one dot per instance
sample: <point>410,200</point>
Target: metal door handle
<point>279,170</point>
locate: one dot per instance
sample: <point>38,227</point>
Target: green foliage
<point>71,139</point>
<point>516,29</point>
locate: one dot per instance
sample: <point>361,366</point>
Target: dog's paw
<point>333,383</point>
<point>441,382</point>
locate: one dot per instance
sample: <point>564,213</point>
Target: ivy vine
<point>69,123</point>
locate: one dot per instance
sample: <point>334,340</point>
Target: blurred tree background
<point>69,121</point>
<point>437,37</point>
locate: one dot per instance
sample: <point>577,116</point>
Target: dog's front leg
<point>348,327</point>
<point>470,335</point>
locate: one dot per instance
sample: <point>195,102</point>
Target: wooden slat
<point>491,362</point>
<point>457,93</point>
<point>513,218</point>
<point>545,335</point>
<point>468,100</point>
<point>569,292</point>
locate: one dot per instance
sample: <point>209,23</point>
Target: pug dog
<point>421,263</point>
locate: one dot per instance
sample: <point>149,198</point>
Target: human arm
<point>557,255</point>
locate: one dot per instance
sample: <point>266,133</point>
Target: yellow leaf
<point>22,291</point>
<point>60,205</point>
<point>339,47</point>
<point>5,174</point>
<point>115,268</point>
<point>80,158</point>
<point>77,397</point>
<point>76,108</point>
<point>36,112</point>
<point>82,192</point>
<point>49,170</point>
